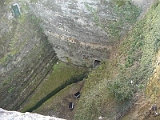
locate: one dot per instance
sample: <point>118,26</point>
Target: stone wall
<point>13,115</point>
<point>70,29</point>
<point>26,57</point>
<point>81,31</point>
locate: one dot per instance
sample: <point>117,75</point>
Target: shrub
<point>121,90</point>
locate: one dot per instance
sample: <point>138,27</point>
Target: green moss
<point>10,90</point>
<point>22,27</point>
<point>120,2</point>
<point>52,103</point>
<point>26,36</point>
<point>61,75</point>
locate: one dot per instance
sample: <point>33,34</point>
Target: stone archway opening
<point>96,63</point>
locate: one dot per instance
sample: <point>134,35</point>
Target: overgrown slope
<point>112,89</point>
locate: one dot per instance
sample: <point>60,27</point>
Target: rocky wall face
<point>82,31</point>
<point>71,29</point>
<point>12,115</point>
<point>26,57</point>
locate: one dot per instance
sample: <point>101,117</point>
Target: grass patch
<point>61,75</point>
<point>57,105</point>
<point>94,94</point>
<point>140,44</point>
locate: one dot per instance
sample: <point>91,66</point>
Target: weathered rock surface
<point>13,115</point>
<point>80,31</point>
<point>71,30</point>
<point>26,57</point>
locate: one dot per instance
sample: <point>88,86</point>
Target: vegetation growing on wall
<point>26,58</point>
<point>13,37</point>
<point>124,75</point>
<point>125,15</point>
